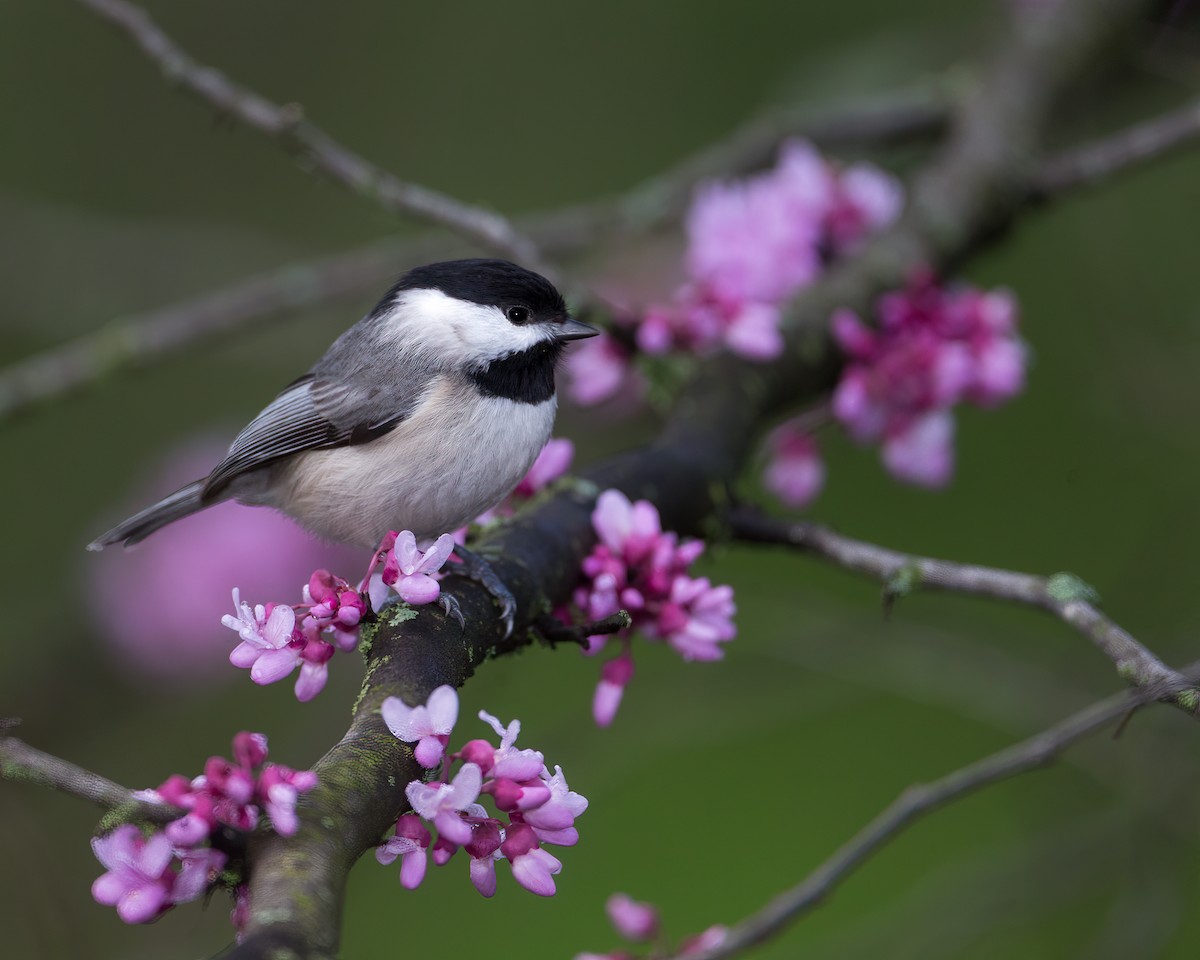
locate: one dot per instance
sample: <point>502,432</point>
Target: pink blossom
<point>441,803</point>
<point>139,879</point>
<point>198,870</point>
<point>233,793</point>
<point>642,569</point>
<point>409,842</point>
<point>314,668</point>
<point>696,618</point>
<point>181,577</point>
<point>532,867</point>
<point>934,347</point>
<point>428,725</point>
<point>633,920</point>
<point>614,678</point>
<point>508,761</point>
<point>278,789</point>
<point>704,941</point>
<point>554,819</point>
<point>554,460</point>
<point>753,243</point>
<point>796,472</point>
<point>631,530</point>
<point>270,646</point>
<point>599,368</point>
<point>922,452</point>
<point>408,571</point>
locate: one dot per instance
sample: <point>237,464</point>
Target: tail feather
<point>181,503</point>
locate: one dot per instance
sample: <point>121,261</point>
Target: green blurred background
<point>719,783</point>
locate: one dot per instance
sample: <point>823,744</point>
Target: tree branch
<point>287,125</point>
<point>921,799</point>
<point>1089,163</point>
<point>126,343</point>
<point>1062,594</point>
<point>975,186</point>
<point>20,762</point>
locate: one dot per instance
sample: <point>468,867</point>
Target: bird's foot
<point>479,570</point>
<point>452,610</point>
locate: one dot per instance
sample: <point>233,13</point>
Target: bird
<point>421,416</point>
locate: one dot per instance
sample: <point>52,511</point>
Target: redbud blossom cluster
<point>147,874</point>
<point>933,347</point>
<point>751,245</point>
<point>639,923</point>
<point>277,638</point>
<point>535,807</point>
<point>639,568</point>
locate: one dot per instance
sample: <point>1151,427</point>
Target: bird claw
<point>479,570</point>
<point>451,608</point>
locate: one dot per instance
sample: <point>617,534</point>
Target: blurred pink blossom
<point>182,575</point>
<point>934,347</point>
<point>753,243</point>
<point>795,472</point>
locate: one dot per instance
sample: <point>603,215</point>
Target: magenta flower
<point>614,678</point>
<point>139,879</point>
<point>508,761</point>
<point>554,460</point>
<point>753,243</point>
<point>600,368</point>
<point>643,570</point>
<point>269,647</point>
<point>923,452</point>
<point>278,789</point>
<point>182,575</point>
<point>483,850</point>
<point>408,571</point>
<point>314,668</point>
<point>704,941</point>
<point>633,920</point>
<point>532,867</point>
<point>934,348</point>
<point>198,870</point>
<point>554,820</point>
<point>409,843</point>
<point>696,618</point>
<point>428,725</point>
<point>441,803</point>
<point>796,471</point>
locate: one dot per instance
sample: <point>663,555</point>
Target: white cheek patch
<point>470,333</point>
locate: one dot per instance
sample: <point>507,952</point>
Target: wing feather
<point>313,413</point>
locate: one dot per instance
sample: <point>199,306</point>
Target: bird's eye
<point>517,315</point>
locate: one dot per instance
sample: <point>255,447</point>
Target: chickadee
<point>422,415</point>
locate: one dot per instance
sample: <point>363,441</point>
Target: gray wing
<point>316,412</point>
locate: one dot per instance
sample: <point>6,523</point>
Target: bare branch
<point>143,338</point>
<point>1062,594</point>
<point>287,125</point>
<point>919,800</point>
<point>20,762</point>
<point>1087,165</point>
<point>128,342</point>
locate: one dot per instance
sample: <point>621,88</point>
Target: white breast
<point>436,471</point>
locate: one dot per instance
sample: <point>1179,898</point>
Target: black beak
<point>572,329</point>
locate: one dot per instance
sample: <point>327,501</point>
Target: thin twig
<point>555,631</point>
<point>1090,163</point>
<point>287,125</point>
<point>128,342</point>
<point>914,803</point>
<point>20,762</point>
<point>142,338</point>
<point>1062,594</point>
